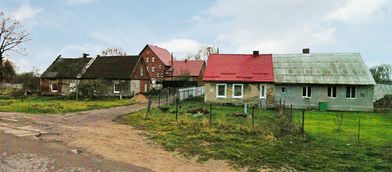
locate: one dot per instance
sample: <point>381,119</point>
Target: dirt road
<point>120,147</point>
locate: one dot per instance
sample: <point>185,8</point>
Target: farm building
<point>380,90</point>
<point>63,74</point>
<point>157,60</point>
<point>187,70</point>
<point>239,78</point>
<point>118,75</point>
<point>330,81</point>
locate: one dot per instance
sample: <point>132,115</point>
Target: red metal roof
<point>162,54</point>
<point>189,67</point>
<point>239,68</point>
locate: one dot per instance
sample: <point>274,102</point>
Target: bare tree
<point>113,52</point>
<point>382,74</point>
<point>11,36</point>
<point>203,53</point>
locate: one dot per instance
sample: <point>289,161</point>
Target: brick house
<point>239,79</point>
<point>190,70</point>
<point>61,77</point>
<point>120,75</point>
<point>158,60</point>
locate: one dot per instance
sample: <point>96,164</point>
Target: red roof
<point>239,68</point>
<point>191,67</point>
<point>162,54</point>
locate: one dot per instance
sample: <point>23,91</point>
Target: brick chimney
<point>255,53</point>
<point>85,55</point>
<point>306,51</point>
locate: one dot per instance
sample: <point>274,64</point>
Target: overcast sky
<point>71,27</point>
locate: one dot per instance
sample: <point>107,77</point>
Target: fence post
<point>210,121</point>
<point>303,121</point>
<point>253,119</point>
<point>359,128</point>
<point>167,96</point>
<point>159,98</point>
<point>148,106</point>
<point>177,102</point>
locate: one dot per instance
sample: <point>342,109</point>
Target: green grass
<point>37,105</point>
<point>232,139</point>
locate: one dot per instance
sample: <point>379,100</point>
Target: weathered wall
<point>62,86</point>
<point>293,95</point>
<point>251,94</point>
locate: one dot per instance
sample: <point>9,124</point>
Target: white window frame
<point>242,91</point>
<point>351,92</point>
<point>307,92</point>
<point>160,66</point>
<point>152,59</point>
<point>331,92</point>
<point>162,75</point>
<point>263,94</point>
<point>158,75</point>
<point>152,69</point>
<point>147,59</point>
<point>51,87</point>
<point>141,71</point>
<point>114,88</point>
<point>147,68</point>
<point>217,91</point>
<point>72,87</point>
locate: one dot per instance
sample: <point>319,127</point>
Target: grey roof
<point>321,68</point>
<point>65,68</point>
<point>111,67</point>
<point>380,90</point>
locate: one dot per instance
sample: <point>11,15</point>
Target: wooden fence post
<point>159,98</point>
<point>303,122</point>
<point>177,102</point>
<point>210,121</point>
<point>148,106</point>
<point>359,128</point>
<point>253,119</point>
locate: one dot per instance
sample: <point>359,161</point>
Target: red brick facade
<point>155,66</point>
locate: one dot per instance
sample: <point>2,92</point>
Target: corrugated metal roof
<point>321,68</point>
<point>380,90</point>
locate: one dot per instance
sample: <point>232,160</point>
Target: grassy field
<point>327,147</point>
<point>38,105</point>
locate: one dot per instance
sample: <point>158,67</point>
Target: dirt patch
<point>140,98</point>
<point>126,144</point>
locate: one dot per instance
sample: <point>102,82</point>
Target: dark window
<point>332,92</point>
<point>307,91</point>
<point>350,92</point>
<point>283,89</point>
<point>221,90</point>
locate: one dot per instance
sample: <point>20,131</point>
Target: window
<point>332,92</point>
<point>160,66</point>
<point>53,87</point>
<point>72,87</point>
<point>116,88</point>
<point>141,71</point>
<point>262,91</point>
<point>152,69</point>
<point>162,75</point>
<point>147,59</point>
<point>350,92</point>
<point>221,90</point>
<point>147,68</point>
<point>158,75</point>
<point>238,90</point>
<point>307,92</point>
<point>283,89</point>
<point>153,59</point>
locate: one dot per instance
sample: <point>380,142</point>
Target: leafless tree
<point>11,36</point>
<point>113,52</point>
<point>203,53</point>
